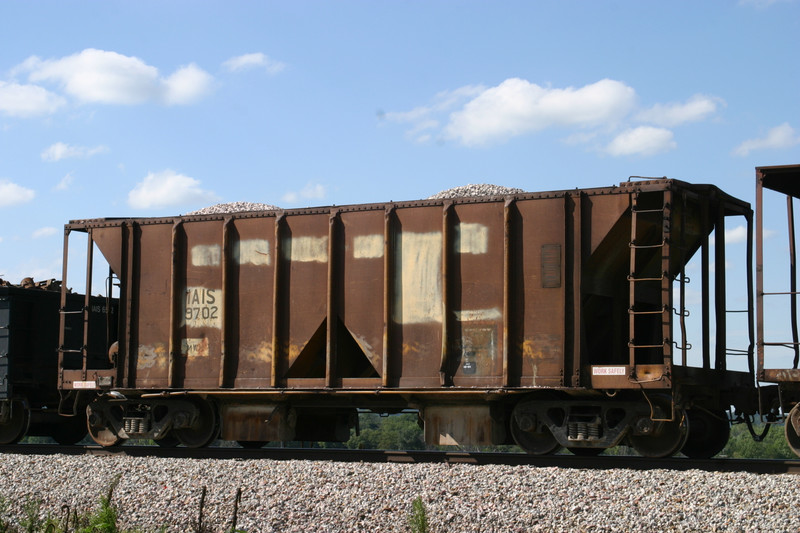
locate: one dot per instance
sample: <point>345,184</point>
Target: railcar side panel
<point>418,294</point>
<point>150,326</point>
<point>360,296</point>
<point>250,295</point>
<point>476,307</point>
<point>540,257</point>
<point>303,308</point>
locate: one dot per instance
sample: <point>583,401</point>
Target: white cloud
<point>603,115</point>
<point>27,100</point>
<point>698,107</point>
<point>782,136</point>
<point>44,232</point>
<point>736,235</point>
<point>65,182</point>
<point>251,61</point>
<point>13,194</point>
<point>187,85</point>
<point>167,189</point>
<point>517,106</point>
<point>423,119</point>
<point>310,192</point>
<point>59,150</point>
<point>644,140</point>
<point>100,76</point>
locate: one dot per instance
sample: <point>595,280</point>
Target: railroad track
<point>602,462</point>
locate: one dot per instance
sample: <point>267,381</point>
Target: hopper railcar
<point>29,366</point>
<point>542,319</point>
<point>776,290</point>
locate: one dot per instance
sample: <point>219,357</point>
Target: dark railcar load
<point>29,370</point>
<point>546,319</point>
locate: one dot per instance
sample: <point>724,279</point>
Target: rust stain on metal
<point>261,353</point>
<point>374,359</point>
<point>152,356</point>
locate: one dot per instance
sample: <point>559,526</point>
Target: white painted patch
<point>472,238</point>
<point>609,371</point>
<point>195,347</point>
<point>368,246</point>
<point>418,282</point>
<point>84,385</point>
<point>202,308</point>
<point>307,249</point>
<point>252,252</point>
<point>206,255</point>
<point>472,315</point>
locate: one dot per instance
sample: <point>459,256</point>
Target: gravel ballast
<point>331,496</point>
<point>233,207</point>
<point>480,189</point>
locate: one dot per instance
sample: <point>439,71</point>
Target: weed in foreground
<point>418,520</point>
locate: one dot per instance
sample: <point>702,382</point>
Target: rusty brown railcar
<point>546,319</point>
<point>778,338</point>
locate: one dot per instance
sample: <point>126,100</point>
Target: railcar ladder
<point>642,280</point>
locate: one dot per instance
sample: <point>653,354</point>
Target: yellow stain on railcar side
<point>254,252</point>
<point>206,255</point>
<point>154,356</point>
<point>293,351</point>
<point>261,354</point>
<point>472,238</point>
<point>418,284</point>
<point>368,246</point>
<point>306,249</point>
<point>374,359</point>
<point>409,348</point>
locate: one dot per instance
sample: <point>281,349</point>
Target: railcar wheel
<point>792,438</point>
<point>709,432</point>
<point>534,442</point>
<point>100,429</point>
<point>104,436</point>
<point>204,430</point>
<point>664,438</point>
<point>16,424</point>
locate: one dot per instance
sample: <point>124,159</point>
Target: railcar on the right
<point>777,295</point>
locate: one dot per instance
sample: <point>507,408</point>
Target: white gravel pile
<point>234,207</point>
<point>481,189</point>
<point>323,496</point>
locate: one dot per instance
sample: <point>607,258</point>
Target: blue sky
<point>112,109</point>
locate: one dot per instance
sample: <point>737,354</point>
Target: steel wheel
<point>205,428</point>
<point>666,438</point>
<point>709,432</point>
<point>17,424</point>
<point>792,438</point>
<point>104,436</point>
<point>534,442</point>
<point>97,423</point>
